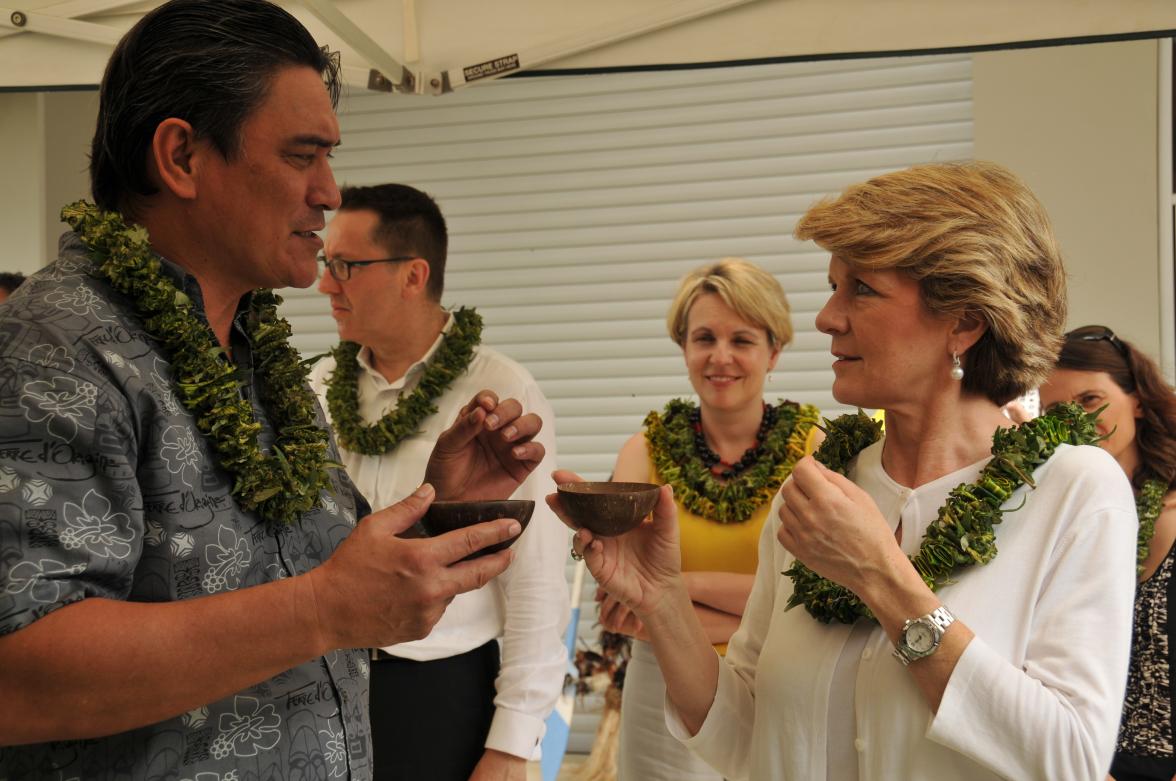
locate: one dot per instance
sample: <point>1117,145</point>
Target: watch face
<point>920,637</point>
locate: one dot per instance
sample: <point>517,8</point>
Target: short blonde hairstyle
<point>978,242</point>
<point>753,293</point>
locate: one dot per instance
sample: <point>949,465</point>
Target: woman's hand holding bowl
<point>640,568</point>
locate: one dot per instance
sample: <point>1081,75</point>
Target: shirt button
<point>866,654</point>
<point>859,744</point>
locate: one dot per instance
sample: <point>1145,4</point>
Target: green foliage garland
<point>671,446</point>
<point>447,364</point>
<point>280,486</point>
<point>1149,503</point>
<point>963,533</point>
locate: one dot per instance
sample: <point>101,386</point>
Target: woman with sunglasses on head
<point>946,600</point>
<point>725,457</point>
<point>1100,371</point>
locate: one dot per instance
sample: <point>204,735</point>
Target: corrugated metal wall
<point>576,203</point>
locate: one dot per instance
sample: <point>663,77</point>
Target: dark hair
<point>11,280</point>
<point>410,224</point>
<point>207,62</point>
<point>1096,348</point>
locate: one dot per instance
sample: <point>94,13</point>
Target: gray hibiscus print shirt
<point>108,489</point>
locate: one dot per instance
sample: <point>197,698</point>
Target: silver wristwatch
<point>921,636</point>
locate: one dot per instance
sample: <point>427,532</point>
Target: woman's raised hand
<point>638,568</point>
<point>833,527</point>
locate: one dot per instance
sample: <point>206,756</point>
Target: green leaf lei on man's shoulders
<point>963,533</point>
<point>450,361</point>
<point>671,447</point>
<point>280,486</point>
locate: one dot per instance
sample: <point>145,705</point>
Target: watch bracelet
<point>940,617</point>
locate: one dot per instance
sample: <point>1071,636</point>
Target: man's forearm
<point>100,666</point>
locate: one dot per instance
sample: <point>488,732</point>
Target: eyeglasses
<point>341,269</point>
<point>1099,333</point>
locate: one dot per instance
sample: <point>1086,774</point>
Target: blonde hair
<point>751,292</point>
<point>978,242</point>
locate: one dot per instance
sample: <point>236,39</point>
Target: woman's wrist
<point>671,608</point>
<point>896,592</point>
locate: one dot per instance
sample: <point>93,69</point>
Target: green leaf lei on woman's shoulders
<point>1149,503</point>
<point>452,358</point>
<point>963,533</point>
<point>280,486</point>
<point>671,448</point>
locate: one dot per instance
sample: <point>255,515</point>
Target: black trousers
<point>430,719</point>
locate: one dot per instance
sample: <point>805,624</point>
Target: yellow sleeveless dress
<point>720,547</point>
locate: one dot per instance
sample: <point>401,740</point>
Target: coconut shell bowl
<point>608,509</point>
<point>442,517</point>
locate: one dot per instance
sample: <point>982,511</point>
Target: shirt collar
<point>363,358</point>
<point>71,244</point>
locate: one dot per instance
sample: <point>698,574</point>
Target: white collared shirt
<point>1036,694</point>
<point>527,606</point>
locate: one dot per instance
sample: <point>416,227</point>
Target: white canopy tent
<point>436,46</point>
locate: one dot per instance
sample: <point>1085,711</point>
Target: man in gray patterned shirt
<point>151,626</point>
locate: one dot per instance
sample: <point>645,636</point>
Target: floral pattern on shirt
<point>108,489</point>
<point>96,527</point>
<point>64,402</point>
<point>250,728</point>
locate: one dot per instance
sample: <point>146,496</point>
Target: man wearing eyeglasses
<point>446,707</point>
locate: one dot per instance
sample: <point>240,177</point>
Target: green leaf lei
<point>963,533</point>
<point>280,486</point>
<point>671,447</point>
<point>447,364</point>
<point>1149,503</point>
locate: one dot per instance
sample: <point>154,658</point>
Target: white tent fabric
<point>441,44</point>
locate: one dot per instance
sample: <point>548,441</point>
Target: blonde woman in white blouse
<point>947,301</point>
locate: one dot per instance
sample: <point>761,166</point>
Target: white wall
<point>69,125</point>
<point>1080,125</point>
<point>44,146</point>
<point>22,159</point>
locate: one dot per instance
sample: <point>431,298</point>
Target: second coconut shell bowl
<point>608,509</point>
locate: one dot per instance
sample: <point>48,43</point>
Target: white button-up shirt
<point>527,606</point>
<point>1036,694</point>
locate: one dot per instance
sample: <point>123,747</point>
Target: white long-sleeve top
<point>1037,693</point>
<point>527,606</point>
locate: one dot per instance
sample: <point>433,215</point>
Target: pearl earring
<point>957,371</point>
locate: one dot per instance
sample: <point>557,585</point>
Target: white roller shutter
<point>575,204</point>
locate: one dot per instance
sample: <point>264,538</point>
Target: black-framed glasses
<point>1099,333</point>
<point>341,269</point>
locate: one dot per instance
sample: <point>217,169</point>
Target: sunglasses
<point>1099,333</point>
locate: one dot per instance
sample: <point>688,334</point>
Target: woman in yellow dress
<point>725,457</point>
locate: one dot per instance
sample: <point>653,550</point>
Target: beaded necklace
<point>672,448</point>
<point>724,469</point>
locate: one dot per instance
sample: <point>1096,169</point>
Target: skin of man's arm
<point>94,668</point>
